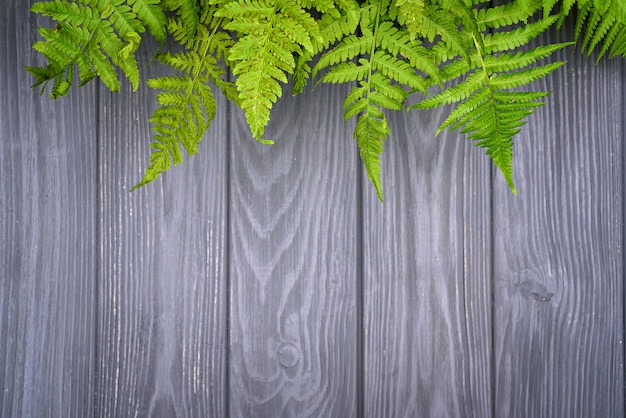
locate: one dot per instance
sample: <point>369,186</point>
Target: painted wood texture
<point>558,251</point>
<point>257,281</point>
<point>293,263</point>
<point>162,295</point>
<point>48,225</point>
<point>426,269</point>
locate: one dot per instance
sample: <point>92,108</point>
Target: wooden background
<point>268,281</point>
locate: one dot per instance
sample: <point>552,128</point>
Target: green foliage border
<point>428,52</point>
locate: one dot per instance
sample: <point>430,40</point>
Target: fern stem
<point>488,82</point>
<point>493,100</point>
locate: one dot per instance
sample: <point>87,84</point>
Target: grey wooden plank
<point>293,263</point>
<point>558,255</point>
<point>47,252</point>
<point>162,326</point>
<point>426,276</point>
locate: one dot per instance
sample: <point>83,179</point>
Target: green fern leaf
<point>93,35</point>
<point>488,110</point>
<point>385,62</point>
<point>605,27</point>
<point>345,72</point>
<point>510,40</point>
<point>371,130</point>
<point>187,105</point>
<point>122,18</point>
<point>151,15</point>
<point>333,26</point>
<point>507,14</point>
<point>268,34</point>
<point>506,81</point>
<point>411,14</point>
<point>441,23</point>
<point>456,93</point>
<point>510,61</point>
<point>188,12</point>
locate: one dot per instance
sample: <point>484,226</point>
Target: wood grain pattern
<point>293,263</point>
<point>268,281</point>
<point>426,276</point>
<point>47,222</point>
<point>162,320</point>
<point>558,252</point>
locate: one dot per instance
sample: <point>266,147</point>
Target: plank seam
<point>492,284</point>
<point>98,238</point>
<point>227,243</point>
<point>492,281</point>
<point>493,297</point>
<point>623,238</point>
<point>360,297</point>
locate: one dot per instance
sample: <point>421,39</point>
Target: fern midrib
<point>271,25</point>
<point>198,70</point>
<point>491,91</point>
<point>98,26</point>
<point>372,52</point>
<point>83,48</point>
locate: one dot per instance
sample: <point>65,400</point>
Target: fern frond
<point>411,14</point>
<point>333,26</point>
<point>511,61</point>
<point>511,80</point>
<point>333,29</point>
<point>188,12</point>
<point>346,72</point>
<point>506,14</point>
<point>371,130</point>
<point>95,36</point>
<point>605,27</point>
<point>269,34</point>
<point>488,110</point>
<point>509,40</point>
<point>386,63</point>
<point>151,15</point>
<point>187,105</point>
<point>439,23</point>
<point>397,70</point>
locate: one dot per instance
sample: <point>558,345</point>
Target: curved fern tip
<point>136,186</point>
<point>379,189</point>
<point>148,177</point>
<point>511,186</point>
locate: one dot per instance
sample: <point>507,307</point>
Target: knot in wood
<point>288,355</point>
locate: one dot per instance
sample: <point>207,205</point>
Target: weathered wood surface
<point>426,252</point>
<point>268,281</point>
<point>48,219</point>
<point>558,251</point>
<point>293,263</point>
<point>162,335</point>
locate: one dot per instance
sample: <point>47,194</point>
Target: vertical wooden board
<point>558,256</point>
<point>293,263</point>
<point>162,327</point>
<point>426,276</point>
<point>47,218</point>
